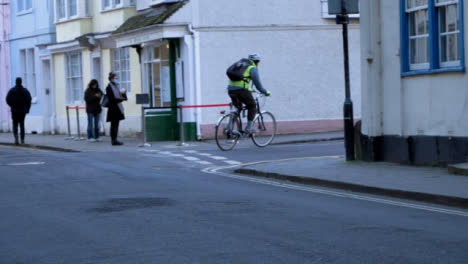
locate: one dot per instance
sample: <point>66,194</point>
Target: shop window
<point>432,38</point>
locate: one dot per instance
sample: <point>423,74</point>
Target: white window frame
<point>70,90</point>
<point>112,5</point>
<point>426,65</point>
<point>455,63</point>
<point>28,70</point>
<point>25,9</point>
<point>121,66</point>
<point>66,7</point>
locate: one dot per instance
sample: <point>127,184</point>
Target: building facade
<point>32,29</point>
<point>4,64</point>
<point>186,47</point>
<point>85,50</point>
<point>414,96</point>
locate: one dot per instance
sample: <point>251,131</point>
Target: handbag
<point>105,101</point>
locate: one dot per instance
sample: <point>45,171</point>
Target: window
<point>24,5</point>
<point>432,38</point>
<point>28,70</point>
<point>110,4</point>
<point>325,14</point>
<point>74,78</point>
<point>121,66</point>
<point>66,9</point>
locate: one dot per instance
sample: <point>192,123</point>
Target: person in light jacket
<point>92,98</point>
<point>115,111</point>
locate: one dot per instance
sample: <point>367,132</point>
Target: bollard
<point>181,126</point>
<point>68,124</point>
<point>143,128</point>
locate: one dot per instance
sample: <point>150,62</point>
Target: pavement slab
<point>428,184</point>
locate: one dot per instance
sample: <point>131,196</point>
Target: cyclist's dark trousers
<point>243,96</point>
<point>18,119</point>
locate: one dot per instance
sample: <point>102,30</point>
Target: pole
<point>68,124</point>
<point>348,103</point>
<point>78,123</point>
<point>181,126</point>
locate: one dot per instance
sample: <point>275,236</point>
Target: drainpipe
<point>196,56</point>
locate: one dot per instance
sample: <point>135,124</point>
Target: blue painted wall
<point>31,30</point>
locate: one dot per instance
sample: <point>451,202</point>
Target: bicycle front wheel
<point>265,129</point>
<point>227,132</point>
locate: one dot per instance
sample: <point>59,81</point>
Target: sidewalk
<point>427,184</point>
<point>59,142</point>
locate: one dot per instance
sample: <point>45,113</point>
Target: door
<point>47,105</point>
<point>161,124</point>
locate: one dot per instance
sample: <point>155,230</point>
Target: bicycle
<point>229,129</point>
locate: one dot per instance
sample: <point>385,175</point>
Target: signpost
<point>143,99</point>
<point>342,8</point>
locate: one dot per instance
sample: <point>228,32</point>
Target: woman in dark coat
<point>92,98</point>
<point>115,111</point>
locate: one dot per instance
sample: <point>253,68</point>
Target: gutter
<point>198,92</point>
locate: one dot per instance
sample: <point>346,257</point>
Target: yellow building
<point>84,51</point>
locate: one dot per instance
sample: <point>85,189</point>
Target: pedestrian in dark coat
<point>115,111</point>
<point>19,100</point>
<point>92,98</point>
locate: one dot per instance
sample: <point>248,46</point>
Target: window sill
<point>24,12</point>
<point>71,19</point>
<point>111,9</point>
<point>434,71</point>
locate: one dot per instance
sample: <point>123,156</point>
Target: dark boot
<point>22,141</point>
<point>16,140</point>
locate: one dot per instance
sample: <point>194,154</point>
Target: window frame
<point>24,10</point>
<point>69,79</point>
<point>127,84</point>
<point>112,5</point>
<point>435,65</point>
<point>66,10</point>
<point>28,70</point>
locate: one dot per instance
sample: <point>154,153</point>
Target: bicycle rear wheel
<point>227,132</point>
<point>265,126</point>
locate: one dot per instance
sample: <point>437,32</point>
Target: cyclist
<point>241,91</point>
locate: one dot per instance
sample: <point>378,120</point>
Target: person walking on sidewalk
<point>240,90</point>
<point>115,112</point>
<point>92,98</point>
<point>19,100</point>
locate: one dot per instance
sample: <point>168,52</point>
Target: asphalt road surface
<point>160,206</point>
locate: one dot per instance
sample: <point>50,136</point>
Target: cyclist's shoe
<point>250,129</point>
<point>268,93</point>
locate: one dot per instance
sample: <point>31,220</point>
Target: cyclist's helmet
<point>254,57</point>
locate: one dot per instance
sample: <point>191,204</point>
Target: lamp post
<point>342,8</point>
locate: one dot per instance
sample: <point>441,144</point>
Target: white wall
<point>431,105</point>
<point>302,68</point>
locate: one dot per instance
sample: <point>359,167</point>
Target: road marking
<point>177,155</point>
<point>216,171</point>
<point>149,150</point>
<point>232,162</point>
<point>205,154</point>
<point>166,153</point>
<point>203,162</point>
<point>26,163</point>
<point>191,158</point>
<point>191,151</point>
<point>217,157</point>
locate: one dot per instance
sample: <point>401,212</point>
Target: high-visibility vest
<point>247,78</point>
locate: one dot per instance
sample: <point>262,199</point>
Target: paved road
<point>159,207</point>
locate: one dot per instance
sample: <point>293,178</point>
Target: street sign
<point>142,98</point>
<point>343,7</point>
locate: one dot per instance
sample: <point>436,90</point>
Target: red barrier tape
<point>204,106</point>
<point>76,107</point>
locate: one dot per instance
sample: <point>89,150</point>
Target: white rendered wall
<point>431,105</point>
